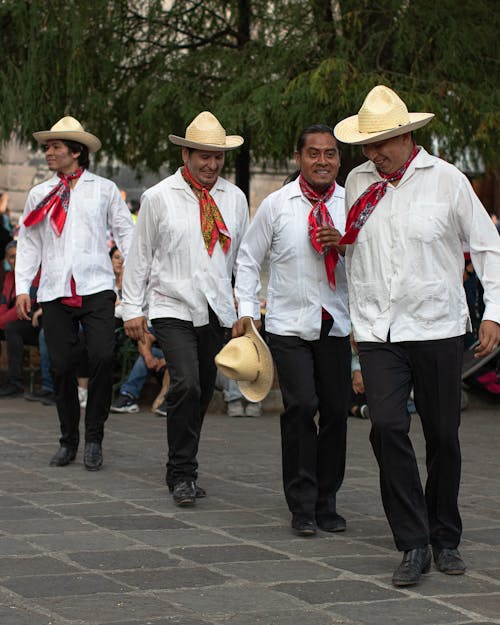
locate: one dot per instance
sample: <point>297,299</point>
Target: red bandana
<point>57,200</point>
<point>213,227</point>
<point>318,217</point>
<point>364,206</point>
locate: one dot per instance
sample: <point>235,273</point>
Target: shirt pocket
<point>427,221</point>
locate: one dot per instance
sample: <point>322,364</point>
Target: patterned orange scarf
<point>213,227</point>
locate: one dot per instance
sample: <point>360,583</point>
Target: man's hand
<point>489,338</point>
<point>23,306</point>
<point>239,327</point>
<point>329,236</point>
<point>35,319</point>
<point>136,328</point>
<point>357,382</point>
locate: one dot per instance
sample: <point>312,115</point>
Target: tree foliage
<point>134,71</point>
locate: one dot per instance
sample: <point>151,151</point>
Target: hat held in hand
<point>247,360</point>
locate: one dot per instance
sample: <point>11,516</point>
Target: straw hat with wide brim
<point>382,116</point>
<point>247,360</point>
<point>205,132</point>
<point>70,129</point>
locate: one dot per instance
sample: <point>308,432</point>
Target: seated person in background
<point>45,394</point>
<point>117,262</point>
<point>16,332</point>
<point>150,360</point>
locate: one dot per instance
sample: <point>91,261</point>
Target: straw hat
<point>70,129</point>
<point>248,360</point>
<point>205,132</point>
<point>382,116</point>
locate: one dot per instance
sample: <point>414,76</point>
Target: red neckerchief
<point>213,227</point>
<point>318,217</point>
<point>57,201</point>
<point>364,206</point>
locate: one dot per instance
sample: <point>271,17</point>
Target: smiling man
<point>187,236</point>
<point>410,213</point>
<point>64,229</point>
<point>307,325</point>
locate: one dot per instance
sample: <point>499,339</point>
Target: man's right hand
<point>23,306</point>
<point>136,328</point>
<point>239,327</point>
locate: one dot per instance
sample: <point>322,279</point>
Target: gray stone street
<point>111,547</point>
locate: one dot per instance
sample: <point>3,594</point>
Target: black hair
<point>112,251</point>
<point>313,130</point>
<point>83,157</point>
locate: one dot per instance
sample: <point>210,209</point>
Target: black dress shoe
<point>92,456</point>
<point>415,563</point>
<point>200,493</point>
<point>63,456</point>
<point>332,523</point>
<point>184,493</point>
<point>304,526</point>
<point>449,561</point>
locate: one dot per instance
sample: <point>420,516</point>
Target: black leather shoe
<point>415,563</point>
<point>304,526</point>
<point>200,493</point>
<point>449,561</point>
<point>333,523</point>
<point>184,493</point>
<point>63,456</point>
<point>92,456</point>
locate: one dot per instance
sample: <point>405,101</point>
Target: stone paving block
<point>439,585</point>
<point>488,536</point>
<point>325,545</point>
<point>263,533</point>
<point>285,617</point>
<point>339,590</point>
<point>170,578</point>
<point>363,565</point>
<point>120,560</point>
<point>89,510</point>
<point>407,610</point>
<point>228,553</point>
<point>109,607</point>
<point>59,585</point>
<point>138,522</point>
<point>231,600</point>
<point>174,620</point>
<point>283,570</point>
<point>16,615</point>
<point>25,512</point>
<point>7,501</point>
<point>226,518</point>
<point>35,565</point>
<point>44,526</point>
<point>72,541</point>
<point>177,538</point>
<point>16,547</point>
<point>66,496</point>
<point>487,606</point>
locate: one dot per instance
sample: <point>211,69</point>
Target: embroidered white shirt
<point>405,270</point>
<point>168,259</point>
<point>298,286</point>
<point>82,250</point>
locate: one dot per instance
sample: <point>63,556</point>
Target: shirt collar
<point>294,190</point>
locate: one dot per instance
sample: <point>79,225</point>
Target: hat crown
<point>206,128</point>
<point>382,110</point>
<point>239,359</point>
<point>67,124</point>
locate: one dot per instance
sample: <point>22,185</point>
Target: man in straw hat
<point>409,214</point>
<point>64,230</point>
<point>187,235</point>
<point>307,325</point>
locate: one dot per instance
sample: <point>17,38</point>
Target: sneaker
<point>161,410</point>
<point>235,408</point>
<point>125,403</point>
<point>253,409</point>
<point>82,396</point>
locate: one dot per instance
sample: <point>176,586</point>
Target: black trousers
<point>61,324</point>
<point>433,368</point>
<point>189,352</point>
<point>313,376</point>
<point>18,334</point>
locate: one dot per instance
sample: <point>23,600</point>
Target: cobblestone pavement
<point>111,548</point>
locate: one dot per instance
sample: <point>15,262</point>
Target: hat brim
<point>232,142</point>
<point>347,131</point>
<point>257,390</point>
<point>88,139</point>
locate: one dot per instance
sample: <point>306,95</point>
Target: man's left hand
<point>489,338</point>
<point>329,236</point>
